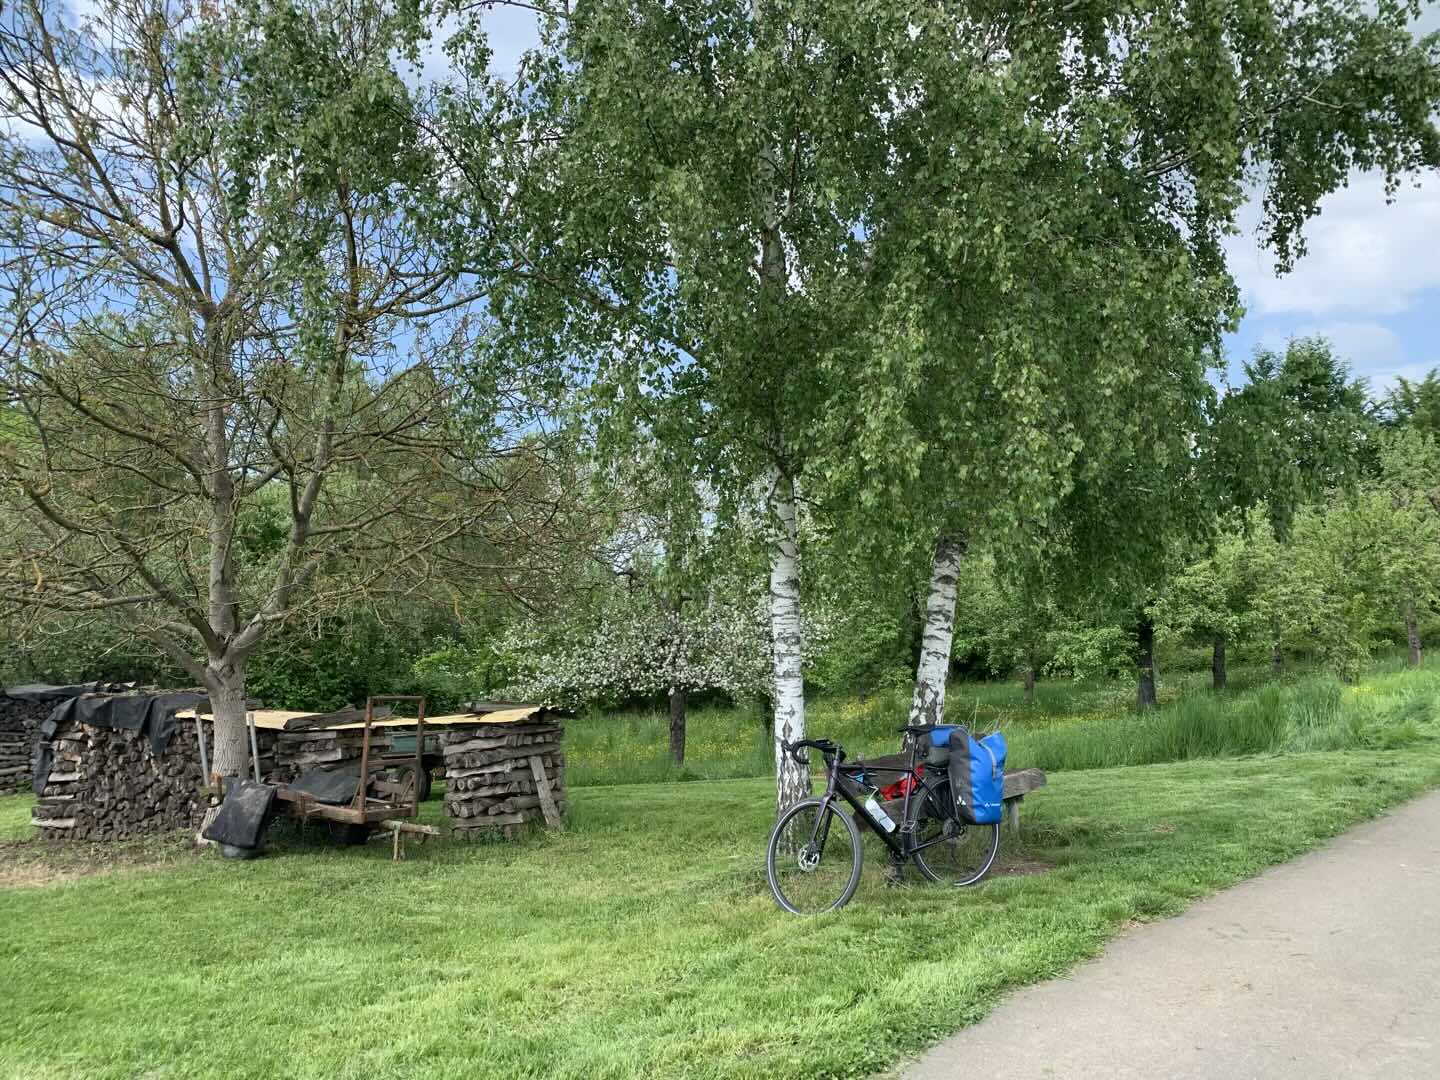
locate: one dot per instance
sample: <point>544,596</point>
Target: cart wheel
<point>349,833</point>
<point>425,784</point>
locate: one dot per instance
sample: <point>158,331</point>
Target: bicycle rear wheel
<point>813,860</point>
<point>953,853</point>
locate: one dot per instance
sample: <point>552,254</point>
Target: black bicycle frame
<point>898,849</point>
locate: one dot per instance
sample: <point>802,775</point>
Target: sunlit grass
<point>642,942</point>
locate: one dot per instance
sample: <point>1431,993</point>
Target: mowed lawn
<point>640,943</point>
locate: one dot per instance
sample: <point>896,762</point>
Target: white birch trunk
<point>928,704</point>
<point>792,780</point>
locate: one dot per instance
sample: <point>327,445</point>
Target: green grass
<point>15,818</point>
<point>640,943</point>
<point>1070,725</point>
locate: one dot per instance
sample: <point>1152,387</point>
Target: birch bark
<point>792,780</point>
<point>928,704</point>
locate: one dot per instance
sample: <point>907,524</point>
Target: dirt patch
<point>1019,866</point>
<point>28,863</point>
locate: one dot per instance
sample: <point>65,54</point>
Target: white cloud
<point>511,32</point>
<point>1367,345</point>
<point>1382,382</point>
<point>1364,256</point>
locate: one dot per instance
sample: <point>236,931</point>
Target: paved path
<point>1328,966</point>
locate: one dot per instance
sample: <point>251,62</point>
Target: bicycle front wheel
<point>813,861</point>
<point>948,850</point>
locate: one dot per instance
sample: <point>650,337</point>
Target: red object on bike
<point>906,783</point>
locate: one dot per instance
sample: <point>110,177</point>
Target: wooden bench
<point>1018,784</point>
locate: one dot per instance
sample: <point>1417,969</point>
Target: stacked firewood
<point>109,784</point>
<point>19,721</point>
<point>296,751</point>
<point>501,778</point>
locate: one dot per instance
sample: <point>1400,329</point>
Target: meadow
<point>1070,725</point>
<point>642,941</point>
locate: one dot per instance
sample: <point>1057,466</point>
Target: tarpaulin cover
<point>241,819</point>
<point>153,715</point>
<point>46,692</point>
<point>334,787</point>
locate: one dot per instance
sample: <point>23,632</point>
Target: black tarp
<point>242,817</point>
<point>153,715</point>
<point>46,692</point>
<point>334,787</point>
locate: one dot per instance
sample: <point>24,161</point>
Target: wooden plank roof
<point>288,720</point>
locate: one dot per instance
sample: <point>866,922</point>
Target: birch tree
<point>217,305</point>
<point>698,180</point>
<point>1041,364</point>
<point>926,255</point>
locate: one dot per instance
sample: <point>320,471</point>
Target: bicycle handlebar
<point>825,746</point>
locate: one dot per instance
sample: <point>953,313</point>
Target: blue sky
<point>1370,282</point>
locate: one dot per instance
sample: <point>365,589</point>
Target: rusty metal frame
<point>359,802</point>
<point>361,810</point>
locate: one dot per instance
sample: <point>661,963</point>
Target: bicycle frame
<point>901,849</point>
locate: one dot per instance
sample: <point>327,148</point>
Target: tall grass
<point>1316,713</point>
<point>1068,726</point>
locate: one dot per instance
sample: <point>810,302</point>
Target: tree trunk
<point>1145,663</point>
<point>678,698</point>
<point>1030,683</point>
<point>1217,663</point>
<point>1412,636</point>
<point>928,704</point>
<point>230,752</point>
<point>1277,659</point>
<point>792,780</point>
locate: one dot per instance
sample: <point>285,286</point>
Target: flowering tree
<point>637,643</point>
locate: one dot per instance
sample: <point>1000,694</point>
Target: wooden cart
<point>378,798</point>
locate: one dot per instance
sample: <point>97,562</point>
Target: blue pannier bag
<point>977,773</point>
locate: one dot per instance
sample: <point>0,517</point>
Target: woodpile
<point>109,784</point>
<point>296,751</point>
<point>501,778</point>
<point>19,723</point>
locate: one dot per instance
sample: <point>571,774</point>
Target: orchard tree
<point>628,646</point>
<point>659,610</point>
<point>1011,622</point>
<point>1410,480</point>
<point>1212,598</point>
<point>1366,561</point>
<point>227,346</point>
<point>1298,429</point>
